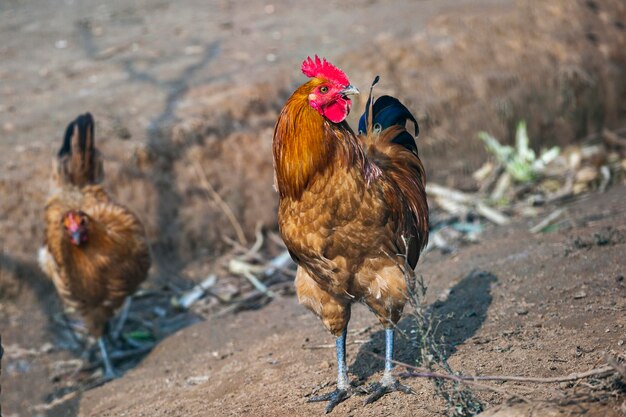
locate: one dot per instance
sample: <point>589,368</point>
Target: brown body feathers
<point>351,208</point>
<point>96,276</point>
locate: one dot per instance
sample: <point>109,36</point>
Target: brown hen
<point>95,250</point>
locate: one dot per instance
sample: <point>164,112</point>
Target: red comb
<point>322,68</point>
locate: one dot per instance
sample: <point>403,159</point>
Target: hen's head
<point>75,224</point>
<point>330,89</point>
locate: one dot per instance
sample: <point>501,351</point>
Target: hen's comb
<point>322,68</point>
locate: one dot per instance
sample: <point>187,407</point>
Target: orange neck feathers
<point>306,144</point>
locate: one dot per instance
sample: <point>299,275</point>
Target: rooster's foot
<point>333,398</point>
<point>382,389</point>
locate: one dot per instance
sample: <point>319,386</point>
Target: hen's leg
<point>119,326</point>
<point>343,383</point>
<point>72,329</point>
<point>388,383</point>
<point>109,373</point>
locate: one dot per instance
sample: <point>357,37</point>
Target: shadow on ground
<point>16,274</point>
<point>459,317</point>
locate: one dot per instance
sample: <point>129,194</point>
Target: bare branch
<point>206,184</point>
<point>425,373</point>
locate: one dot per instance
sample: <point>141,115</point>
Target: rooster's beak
<point>76,238</point>
<point>350,91</point>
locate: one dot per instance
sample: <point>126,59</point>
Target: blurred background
<point>185,96</point>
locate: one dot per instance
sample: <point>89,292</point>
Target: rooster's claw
<point>381,390</point>
<point>333,398</point>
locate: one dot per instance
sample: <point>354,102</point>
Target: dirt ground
<point>512,305</point>
<point>192,89</point>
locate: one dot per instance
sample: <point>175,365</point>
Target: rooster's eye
<point>323,89</point>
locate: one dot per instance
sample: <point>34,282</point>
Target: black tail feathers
<point>388,111</point>
<point>84,126</point>
<point>78,161</point>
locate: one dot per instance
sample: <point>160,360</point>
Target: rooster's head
<point>75,223</point>
<point>330,89</point>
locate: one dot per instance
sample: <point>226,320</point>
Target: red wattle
<point>337,111</point>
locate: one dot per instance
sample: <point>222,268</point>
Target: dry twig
<point>206,184</point>
<point>56,402</point>
<point>457,202</point>
<point>188,298</point>
<point>425,373</point>
<point>435,375</point>
<point>547,221</point>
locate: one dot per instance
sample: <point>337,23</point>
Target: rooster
<point>95,250</point>
<point>352,212</point>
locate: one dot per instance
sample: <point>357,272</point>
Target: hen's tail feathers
<point>79,162</point>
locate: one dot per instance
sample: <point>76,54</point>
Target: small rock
<point>620,343</point>
<point>579,295</point>
<point>122,132</point>
<point>443,296</point>
<point>197,380</point>
<point>521,311</point>
<point>47,347</point>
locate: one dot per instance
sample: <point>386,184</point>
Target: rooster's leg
<point>388,383</point>
<point>109,373</point>
<point>343,383</point>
